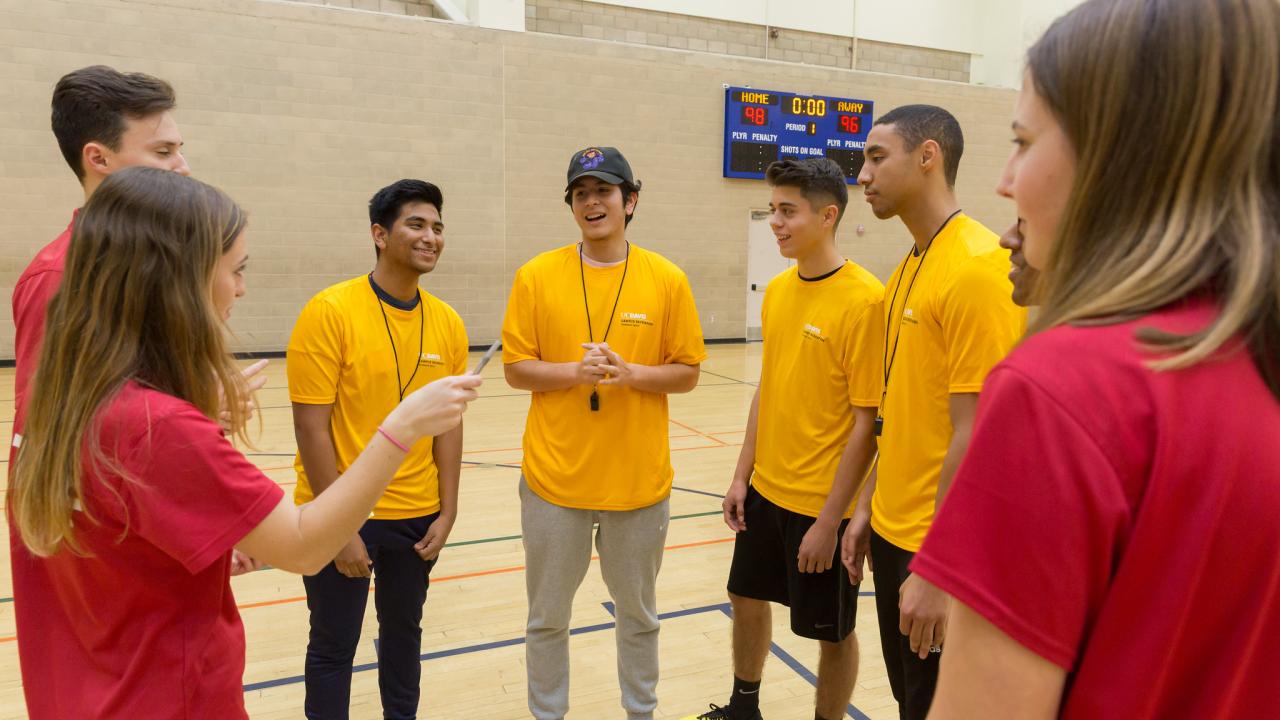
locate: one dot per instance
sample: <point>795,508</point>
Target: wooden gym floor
<point>473,625</point>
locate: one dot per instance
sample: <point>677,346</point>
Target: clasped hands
<point>600,365</point>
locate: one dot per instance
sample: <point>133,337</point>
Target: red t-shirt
<point>1124,523</point>
<point>31,296</point>
<point>146,625</point>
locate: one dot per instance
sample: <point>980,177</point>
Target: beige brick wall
<point>579,18</point>
<point>810,48</point>
<point>645,27</point>
<point>417,8</point>
<point>913,61</point>
<point>302,111</point>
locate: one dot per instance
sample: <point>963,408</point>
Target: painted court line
<point>485,646</point>
<point>786,658</point>
<point>460,543</point>
<point>789,660</point>
<point>480,573</point>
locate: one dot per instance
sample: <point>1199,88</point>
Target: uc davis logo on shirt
<point>909,316</point>
<point>430,360</point>
<point>635,319</point>
<point>813,332</point>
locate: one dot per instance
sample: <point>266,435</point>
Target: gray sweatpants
<point>557,549</point>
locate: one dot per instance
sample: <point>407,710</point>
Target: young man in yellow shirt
<point>949,319</point>
<point>357,349</point>
<point>601,331</point>
<point>807,446</point>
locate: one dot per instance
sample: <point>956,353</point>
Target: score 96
<point>755,115</point>
<point>851,124</point>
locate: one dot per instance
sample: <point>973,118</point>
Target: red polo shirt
<point>31,296</point>
<point>144,625</point>
<point>1123,523</point>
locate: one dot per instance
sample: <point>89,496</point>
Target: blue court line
<point>477,463</point>
<point>799,667</point>
<point>732,381</point>
<point>698,492</point>
<point>487,646</point>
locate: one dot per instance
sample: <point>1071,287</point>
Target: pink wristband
<point>392,440</point>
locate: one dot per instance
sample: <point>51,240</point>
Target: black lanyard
<point>591,334</point>
<point>888,358</point>
<point>386,323</point>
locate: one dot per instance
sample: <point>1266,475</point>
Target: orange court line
<point>489,450</point>
<point>446,578</point>
<point>695,430</point>
<point>708,447</point>
<point>480,573</point>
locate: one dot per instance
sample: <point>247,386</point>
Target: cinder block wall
<point>686,32</point>
<point>301,111</point>
<point>419,8</point>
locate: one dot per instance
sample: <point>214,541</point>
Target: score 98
<point>755,115</point>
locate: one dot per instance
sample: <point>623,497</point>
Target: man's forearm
<point>667,379</point>
<point>747,456</point>
<point>541,376</point>
<point>858,453</point>
<point>862,496</point>
<point>950,464</point>
<point>319,459</point>
<point>446,449</point>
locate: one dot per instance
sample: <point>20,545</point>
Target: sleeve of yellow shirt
<point>682,342</point>
<point>314,357</point>
<point>519,327</point>
<point>862,356</point>
<point>980,325</point>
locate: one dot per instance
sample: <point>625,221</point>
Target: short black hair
<point>627,191</point>
<point>819,179</point>
<point>91,104</point>
<point>386,204</point>
<point>917,123</point>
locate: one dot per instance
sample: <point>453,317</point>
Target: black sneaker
<point>721,713</point>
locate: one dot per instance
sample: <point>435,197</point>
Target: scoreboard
<point>761,126</point>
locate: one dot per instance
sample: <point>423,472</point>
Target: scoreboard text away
<point>761,126</point>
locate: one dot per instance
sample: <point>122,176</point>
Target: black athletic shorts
<point>823,605</point>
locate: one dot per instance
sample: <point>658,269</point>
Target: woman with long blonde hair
<point>1112,539</point>
<point>127,498</point>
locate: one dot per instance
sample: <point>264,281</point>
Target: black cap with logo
<point>606,163</point>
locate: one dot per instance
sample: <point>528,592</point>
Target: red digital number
<point>851,124</point>
<point>755,115</point>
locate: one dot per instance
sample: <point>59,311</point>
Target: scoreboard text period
<point>761,126</point>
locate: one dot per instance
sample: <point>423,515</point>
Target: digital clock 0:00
<point>809,107</point>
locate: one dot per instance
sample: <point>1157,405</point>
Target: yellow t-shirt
<point>822,344</point>
<point>956,323</point>
<point>617,458</point>
<point>340,354</point>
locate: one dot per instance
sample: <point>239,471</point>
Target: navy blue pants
<point>337,605</point>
